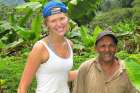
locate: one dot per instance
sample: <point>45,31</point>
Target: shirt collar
<point>120,70</point>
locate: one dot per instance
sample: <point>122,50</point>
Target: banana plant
<point>36,26</point>
<point>87,37</point>
<point>132,63</point>
<point>28,10</point>
<point>82,11</point>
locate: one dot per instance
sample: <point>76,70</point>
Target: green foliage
<point>32,5</point>
<point>22,26</point>
<point>128,36</point>
<point>136,3</point>
<point>25,18</point>
<point>133,67</point>
<point>5,11</point>
<point>2,85</point>
<point>95,33</point>
<point>11,69</point>
<point>122,55</point>
<point>115,16</point>
<point>2,45</point>
<point>124,27</point>
<point>108,5</point>
<point>83,38</point>
<point>136,13</point>
<point>13,38</point>
<point>133,72</point>
<point>36,26</point>
<point>132,64</point>
<point>79,59</point>
<point>87,37</point>
<point>7,34</point>
<point>82,11</point>
<point>28,9</point>
<point>2,82</point>
<point>43,2</point>
<point>14,44</point>
<point>24,33</point>
<point>12,19</point>
<point>16,29</point>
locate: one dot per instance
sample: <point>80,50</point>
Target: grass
<point>10,72</point>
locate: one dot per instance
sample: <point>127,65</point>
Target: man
<point>106,73</point>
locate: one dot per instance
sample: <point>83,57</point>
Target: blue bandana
<point>53,7</point>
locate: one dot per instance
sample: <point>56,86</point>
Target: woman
<point>51,57</point>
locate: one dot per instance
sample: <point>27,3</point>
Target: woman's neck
<point>56,39</point>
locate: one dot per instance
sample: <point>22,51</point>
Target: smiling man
<point>106,73</point>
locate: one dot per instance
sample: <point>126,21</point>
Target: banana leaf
<point>132,64</point>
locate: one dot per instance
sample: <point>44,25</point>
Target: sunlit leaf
<point>31,5</point>
<point>133,70</point>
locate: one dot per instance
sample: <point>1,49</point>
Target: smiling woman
<point>51,58</point>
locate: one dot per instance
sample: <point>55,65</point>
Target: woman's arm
<point>33,62</point>
<point>72,74</point>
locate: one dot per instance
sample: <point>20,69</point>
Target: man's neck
<point>109,68</point>
<point>106,63</point>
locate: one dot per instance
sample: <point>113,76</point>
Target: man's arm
<point>79,84</point>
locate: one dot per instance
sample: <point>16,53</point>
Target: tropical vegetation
<point>21,26</point>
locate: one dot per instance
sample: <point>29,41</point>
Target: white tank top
<point>52,76</point>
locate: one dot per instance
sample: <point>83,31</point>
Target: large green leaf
<point>32,5</point>
<point>14,44</point>
<point>27,10</point>
<point>86,38</point>
<point>12,19</point>
<point>43,2</point>
<point>89,38</point>
<point>95,33</point>
<point>36,26</point>
<point>4,25</point>
<point>23,20</point>
<point>2,45</point>
<point>24,33</point>
<point>133,69</point>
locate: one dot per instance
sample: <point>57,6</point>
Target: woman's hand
<point>72,75</point>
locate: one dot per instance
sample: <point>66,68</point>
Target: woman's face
<point>57,24</point>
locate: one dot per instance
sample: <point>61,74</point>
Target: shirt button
<point>106,82</point>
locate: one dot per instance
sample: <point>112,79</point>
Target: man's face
<point>57,23</point>
<point>106,49</point>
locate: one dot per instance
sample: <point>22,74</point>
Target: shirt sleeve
<point>79,83</point>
